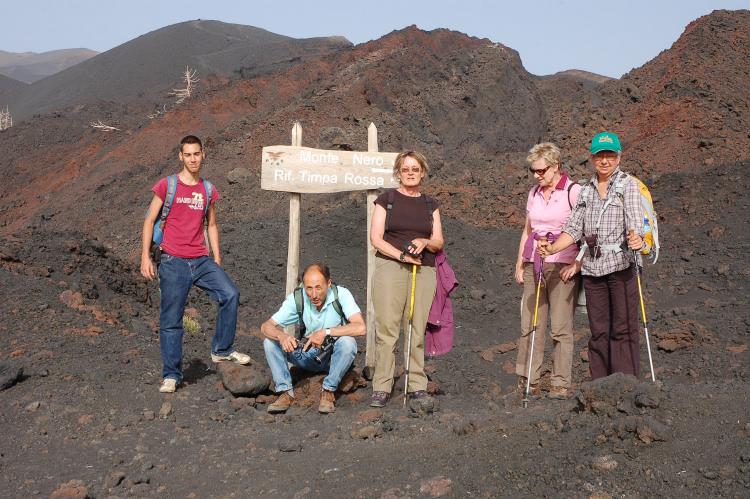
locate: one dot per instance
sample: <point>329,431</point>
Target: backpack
<point>299,301</point>
<point>651,229</point>
<point>161,219</point>
<point>650,225</point>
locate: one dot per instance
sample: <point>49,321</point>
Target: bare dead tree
<point>103,127</point>
<point>6,121</point>
<point>158,113</point>
<point>183,93</point>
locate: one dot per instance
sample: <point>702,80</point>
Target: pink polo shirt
<point>550,216</point>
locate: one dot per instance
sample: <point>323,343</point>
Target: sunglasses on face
<point>539,172</point>
<point>415,169</point>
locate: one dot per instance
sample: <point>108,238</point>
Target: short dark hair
<point>191,139</point>
<point>320,267</point>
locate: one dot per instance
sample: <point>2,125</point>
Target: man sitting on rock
<point>325,313</point>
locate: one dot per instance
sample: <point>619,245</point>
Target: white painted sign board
<point>307,170</point>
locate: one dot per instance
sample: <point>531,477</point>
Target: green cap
<point>605,142</point>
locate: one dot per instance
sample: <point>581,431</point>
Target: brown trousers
<point>391,299</point>
<point>612,305</point>
<point>558,300</point>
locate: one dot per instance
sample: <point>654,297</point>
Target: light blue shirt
<point>314,320</point>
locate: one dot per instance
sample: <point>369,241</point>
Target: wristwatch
<point>403,257</point>
<point>328,332</point>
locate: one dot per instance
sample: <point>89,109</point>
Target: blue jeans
<point>176,277</point>
<point>336,364</point>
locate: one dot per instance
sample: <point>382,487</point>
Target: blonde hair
<point>547,151</point>
<point>409,154</point>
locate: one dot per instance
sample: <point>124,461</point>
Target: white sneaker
<point>168,385</point>
<point>236,357</point>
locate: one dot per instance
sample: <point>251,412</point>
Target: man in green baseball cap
<point>605,156</point>
<point>604,220</point>
<point>605,142</point>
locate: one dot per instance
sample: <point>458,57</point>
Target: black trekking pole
<point>408,342</point>
<point>533,330</point>
<point>643,311</point>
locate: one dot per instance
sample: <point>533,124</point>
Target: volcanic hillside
<point>30,67</point>
<point>8,84</point>
<point>468,103</point>
<point>687,109</point>
<point>157,61</point>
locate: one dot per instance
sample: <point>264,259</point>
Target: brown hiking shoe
<point>534,389</point>
<point>558,392</point>
<point>378,399</point>
<point>327,401</point>
<point>282,403</point>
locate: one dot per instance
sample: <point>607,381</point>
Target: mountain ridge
<point>468,103</point>
<point>30,67</point>
<point>122,73</point>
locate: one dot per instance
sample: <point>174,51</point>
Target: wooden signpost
<point>305,170</point>
<point>297,170</point>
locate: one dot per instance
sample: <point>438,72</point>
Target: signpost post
<point>297,170</point>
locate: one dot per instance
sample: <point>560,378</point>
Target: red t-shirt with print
<point>183,229</point>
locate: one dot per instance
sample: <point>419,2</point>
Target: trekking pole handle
<point>544,239</point>
<point>631,233</point>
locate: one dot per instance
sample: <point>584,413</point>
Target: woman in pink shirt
<point>547,209</point>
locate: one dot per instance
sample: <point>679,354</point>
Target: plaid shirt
<point>612,227</point>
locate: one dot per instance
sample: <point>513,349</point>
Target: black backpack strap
<point>209,194</point>
<point>299,301</point>
<point>337,305</point>
<point>388,208</point>
<point>570,204</point>
<point>429,208</point>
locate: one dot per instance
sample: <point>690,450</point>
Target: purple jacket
<point>439,333</point>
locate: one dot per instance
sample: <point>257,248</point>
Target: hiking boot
<point>419,394</point>
<point>168,385</point>
<point>327,401</point>
<point>282,403</point>
<point>558,392</point>
<point>236,357</point>
<point>378,399</point>
<point>534,389</point>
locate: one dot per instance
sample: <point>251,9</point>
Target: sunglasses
<point>539,172</point>
<point>415,169</point>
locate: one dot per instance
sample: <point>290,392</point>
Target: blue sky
<point>604,37</point>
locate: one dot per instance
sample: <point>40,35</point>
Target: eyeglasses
<point>609,156</point>
<point>539,172</point>
<point>415,169</point>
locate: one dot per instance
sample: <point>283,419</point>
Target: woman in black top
<point>413,219</point>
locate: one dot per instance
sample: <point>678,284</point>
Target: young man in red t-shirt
<point>185,262</point>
